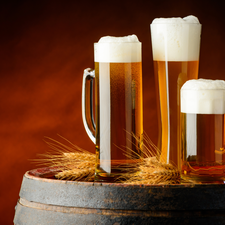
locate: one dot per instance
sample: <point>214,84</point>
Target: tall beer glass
<point>203,130</point>
<point>175,46</point>
<point>118,105</point>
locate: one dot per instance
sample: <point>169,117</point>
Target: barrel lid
<point>40,186</point>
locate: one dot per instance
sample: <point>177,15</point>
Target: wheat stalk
<point>77,164</point>
<point>73,162</point>
<point>150,168</point>
<point>152,171</point>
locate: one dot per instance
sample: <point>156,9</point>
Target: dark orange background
<point>44,48</point>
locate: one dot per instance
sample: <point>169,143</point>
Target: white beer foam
<point>176,20</point>
<point>203,96</point>
<point>108,39</point>
<point>118,49</point>
<point>176,39</point>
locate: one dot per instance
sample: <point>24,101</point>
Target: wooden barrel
<point>45,200</point>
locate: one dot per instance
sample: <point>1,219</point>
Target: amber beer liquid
<point>203,131</point>
<point>175,46</point>
<point>170,125</point>
<point>119,110</point>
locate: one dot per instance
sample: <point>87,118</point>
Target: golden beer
<point>126,117</point>
<point>205,161</point>
<point>175,46</point>
<point>178,74</point>
<point>118,107</point>
<point>203,131</point>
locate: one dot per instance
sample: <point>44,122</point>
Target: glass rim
<point>117,43</point>
<point>185,24</point>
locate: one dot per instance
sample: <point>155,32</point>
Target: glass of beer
<point>175,47</point>
<point>203,130</point>
<point>118,128</point>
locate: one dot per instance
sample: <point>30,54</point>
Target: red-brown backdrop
<point>44,48</point>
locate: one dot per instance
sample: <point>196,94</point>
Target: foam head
<point>203,96</point>
<point>118,49</point>
<point>176,39</point>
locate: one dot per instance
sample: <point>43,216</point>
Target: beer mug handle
<point>87,103</point>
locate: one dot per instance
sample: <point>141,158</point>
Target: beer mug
<point>175,47</point>
<point>203,130</point>
<point>118,128</point>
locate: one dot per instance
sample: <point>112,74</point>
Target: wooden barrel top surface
<point>40,186</point>
<point>46,200</point>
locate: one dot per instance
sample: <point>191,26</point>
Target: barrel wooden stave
<point>49,201</point>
